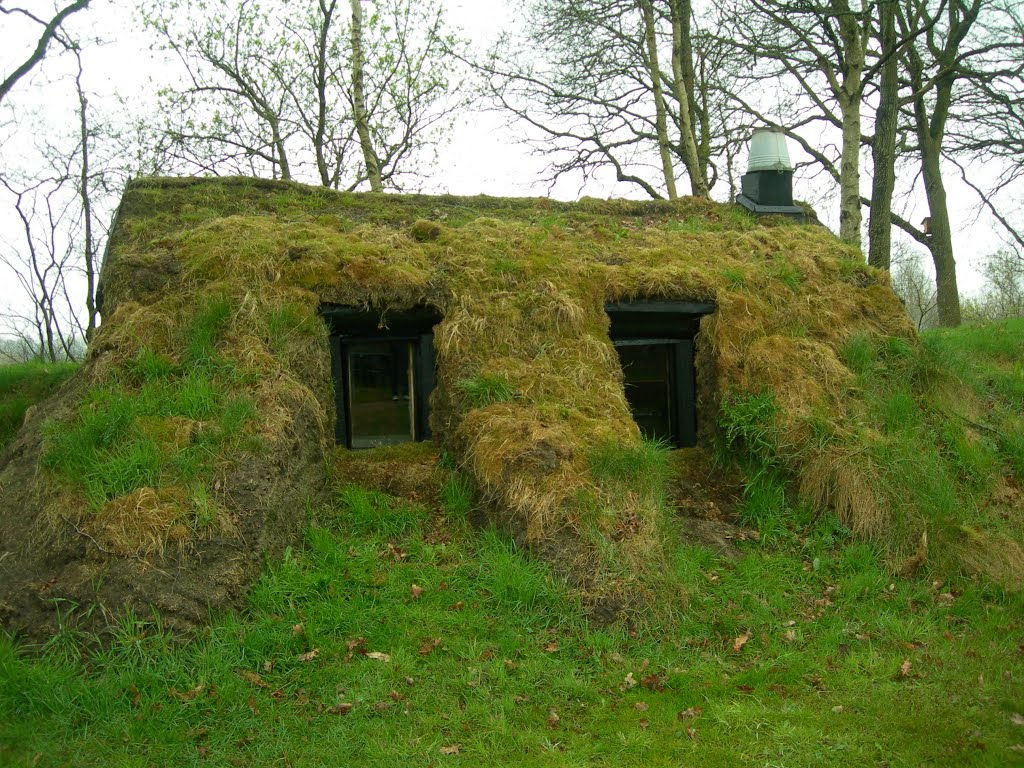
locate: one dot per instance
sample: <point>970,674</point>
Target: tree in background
<point>275,89</point>
<point>629,86</point>
<point>53,257</point>
<point>822,52</point>
<point>1003,296</point>
<point>50,31</point>
<point>914,286</point>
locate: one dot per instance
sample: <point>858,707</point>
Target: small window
<point>383,371</point>
<point>655,341</point>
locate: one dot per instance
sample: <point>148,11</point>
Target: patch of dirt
<point>705,497</point>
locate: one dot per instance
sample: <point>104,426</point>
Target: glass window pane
<point>380,393</point>
<point>647,369</point>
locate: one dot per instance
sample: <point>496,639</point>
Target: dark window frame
<point>350,326</point>
<point>675,325</point>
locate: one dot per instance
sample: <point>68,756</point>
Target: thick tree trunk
<point>682,74</point>
<point>940,236</point>
<point>660,119</point>
<point>370,159</point>
<point>849,175</point>
<point>849,94</point>
<point>883,148</point>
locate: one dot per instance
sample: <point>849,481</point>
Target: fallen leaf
<point>905,668</point>
<point>298,629</point>
<point>454,749</point>
<point>789,636</point>
<point>309,655</point>
<point>739,642</point>
<point>203,750</point>
<point>268,665</point>
<point>378,656</point>
<point>690,713</point>
<point>429,646</point>
<point>641,706</point>
<point>629,682</point>
<point>644,723</point>
<point>382,706</point>
<point>519,699</point>
<point>341,708</point>
<point>301,697</point>
<point>136,696</point>
<point>251,703</point>
<point>457,606</point>
<point>691,733</point>
<point>553,718</point>
<point>409,681</point>
<point>744,688</point>
<point>252,677</point>
<point>174,693</point>
<point>357,645</point>
<point>838,710</point>
<point>653,682</point>
<point>416,590</point>
<point>1017,718</point>
<point>551,647</point>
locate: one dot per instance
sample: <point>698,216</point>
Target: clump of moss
<point>424,231</point>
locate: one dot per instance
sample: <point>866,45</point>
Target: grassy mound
<point>206,409</point>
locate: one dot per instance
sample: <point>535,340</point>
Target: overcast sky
<point>484,155</point>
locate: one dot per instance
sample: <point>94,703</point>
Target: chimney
<point>767,186</point>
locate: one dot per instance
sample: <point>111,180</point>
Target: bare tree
<point>914,286</point>
<point>1003,293</point>
<point>42,265</point>
<point>50,29</point>
<point>275,89</point>
<point>627,86</point>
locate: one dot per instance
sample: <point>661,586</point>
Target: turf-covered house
<point>257,335</point>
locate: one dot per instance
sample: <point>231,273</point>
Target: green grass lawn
<point>401,636</point>
<point>397,638</point>
<point>24,384</point>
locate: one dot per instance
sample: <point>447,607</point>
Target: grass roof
<point>214,285</point>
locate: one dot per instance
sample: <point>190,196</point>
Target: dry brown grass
<point>145,522</point>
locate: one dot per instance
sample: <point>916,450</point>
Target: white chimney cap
<point>768,151</point>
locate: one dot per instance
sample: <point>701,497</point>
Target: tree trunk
<point>279,148</point>
<point>940,236</point>
<point>849,174</point>
<point>88,248</point>
<point>320,78</point>
<point>682,74</point>
<point>660,121</point>
<point>370,159</point>
<point>849,95</point>
<point>883,148</point>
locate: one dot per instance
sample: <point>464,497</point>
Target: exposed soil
<point>705,497</point>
